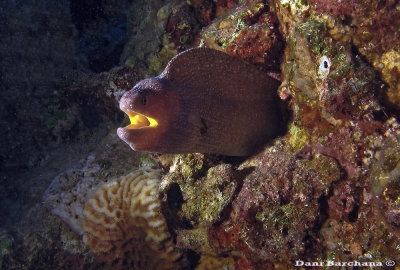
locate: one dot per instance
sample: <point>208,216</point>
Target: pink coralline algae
<point>329,187</point>
<point>342,203</point>
<point>346,7</point>
<point>181,27</point>
<point>338,145</point>
<point>260,40</point>
<point>277,203</point>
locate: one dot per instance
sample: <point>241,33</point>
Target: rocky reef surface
<point>327,190</point>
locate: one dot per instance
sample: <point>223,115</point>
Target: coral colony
<point>220,187</point>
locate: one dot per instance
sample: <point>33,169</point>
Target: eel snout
<point>138,120</point>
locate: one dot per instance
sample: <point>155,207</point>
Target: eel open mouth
<point>139,120</point>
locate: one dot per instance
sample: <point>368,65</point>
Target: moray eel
<point>204,101</point>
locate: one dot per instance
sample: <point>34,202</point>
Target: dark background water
<point>46,47</point>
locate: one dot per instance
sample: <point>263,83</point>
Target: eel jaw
<point>139,121</point>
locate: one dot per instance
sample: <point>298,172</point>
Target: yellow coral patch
<point>389,64</point>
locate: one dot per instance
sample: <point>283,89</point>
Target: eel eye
<point>144,100</point>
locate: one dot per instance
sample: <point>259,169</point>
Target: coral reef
<point>146,22</point>
<point>124,227</point>
<point>326,190</point>
<point>181,26</point>
<point>204,11</point>
<point>372,27</point>
<point>163,29</point>
<point>211,263</point>
<point>250,32</point>
<point>70,190</point>
<point>261,210</point>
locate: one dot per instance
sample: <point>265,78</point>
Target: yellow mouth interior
<point>139,120</point>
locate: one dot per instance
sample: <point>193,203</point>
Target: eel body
<point>204,101</point>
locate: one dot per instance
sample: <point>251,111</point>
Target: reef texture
<point>250,32</point>
<point>329,189</point>
<point>70,190</point>
<point>124,227</point>
<point>374,30</point>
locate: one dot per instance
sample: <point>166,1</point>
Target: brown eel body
<point>204,101</point>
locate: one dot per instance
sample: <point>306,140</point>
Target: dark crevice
<point>353,215</point>
<point>381,89</point>
<point>239,177</point>
<point>101,36</point>
<point>170,208</point>
<point>311,241</point>
<point>192,259</point>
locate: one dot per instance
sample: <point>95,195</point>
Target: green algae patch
<point>296,6</point>
<point>191,165</point>
<point>158,61</point>
<point>147,160</point>
<point>5,246</point>
<point>327,168</point>
<point>280,218</point>
<point>299,137</point>
<point>314,30</point>
<point>386,168</point>
<point>205,189</point>
<point>206,197</point>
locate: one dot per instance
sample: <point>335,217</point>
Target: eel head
<point>151,107</point>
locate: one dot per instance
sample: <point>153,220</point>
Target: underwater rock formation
<point>124,227</point>
<point>326,190</point>
<point>70,190</point>
<point>262,210</point>
<point>250,32</point>
<point>372,27</point>
<point>315,192</point>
